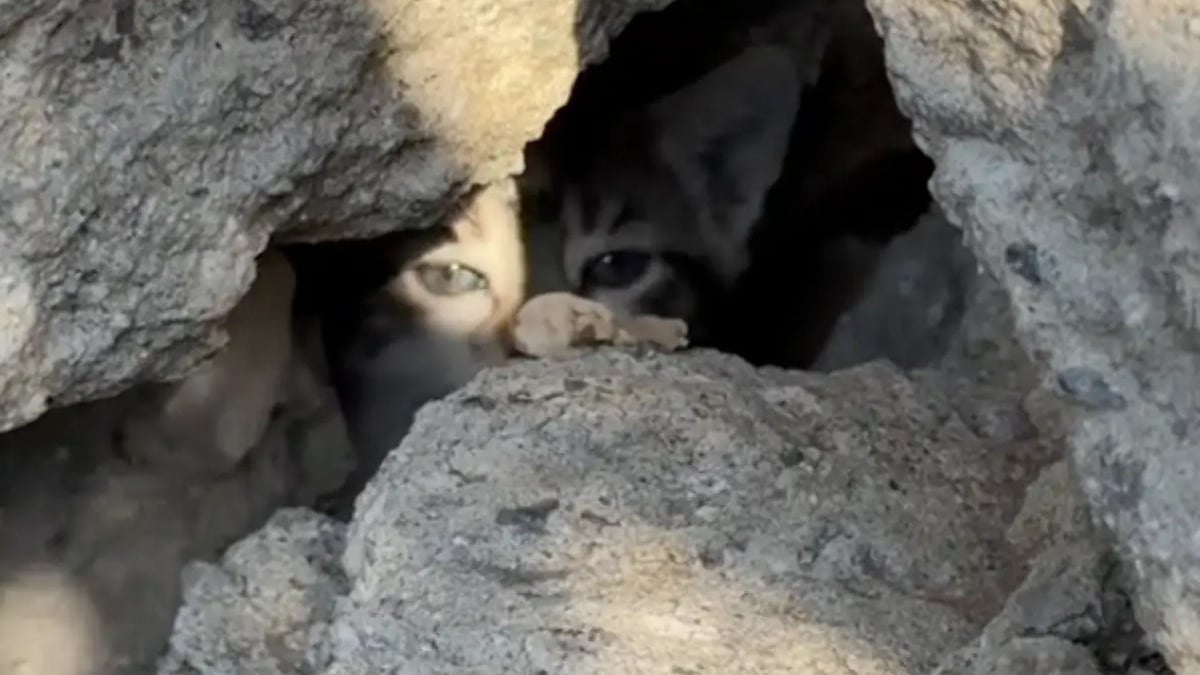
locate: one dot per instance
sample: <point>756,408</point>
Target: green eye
<point>450,279</point>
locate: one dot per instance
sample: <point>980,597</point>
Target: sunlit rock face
<point>1066,150</point>
<point>624,513</point>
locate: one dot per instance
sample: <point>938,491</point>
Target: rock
<point>1038,656</point>
<point>96,522</point>
<point>1053,512</point>
<point>1066,150</point>
<point>616,512</point>
<point>293,586</point>
<point>152,148</point>
<point>1072,613</point>
<point>221,410</point>
<point>1059,607</point>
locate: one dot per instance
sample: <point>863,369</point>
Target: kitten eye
<point>616,269</point>
<point>450,279</point>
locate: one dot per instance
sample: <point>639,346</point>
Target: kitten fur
<point>752,202</point>
<point>393,342</point>
<point>663,220</point>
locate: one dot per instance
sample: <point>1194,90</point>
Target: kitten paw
<point>668,334</point>
<point>549,325</point>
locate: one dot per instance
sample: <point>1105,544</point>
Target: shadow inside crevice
<point>94,532</point>
<point>267,124</point>
<point>852,181</point>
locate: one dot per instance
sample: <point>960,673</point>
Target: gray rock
<point>219,412</point>
<point>1059,607</point>
<point>624,513</point>
<point>1065,135</point>
<point>1072,613</point>
<point>152,148</point>
<point>109,537</point>
<point>102,503</point>
<point>1036,656</point>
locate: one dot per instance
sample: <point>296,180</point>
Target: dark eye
<point>616,269</point>
<point>450,279</point>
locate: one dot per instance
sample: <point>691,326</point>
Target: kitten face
<point>442,314</point>
<point>661,208</point>
<point>630,242</point>
<point>659,221</point>
<point>470,284</point>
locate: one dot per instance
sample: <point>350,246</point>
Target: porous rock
<point>151,149</point>
<point>219,411</point>
<point>624,512</point>
<point>1064,134</point>
<point>102,503</point>
<point>1052,624</point>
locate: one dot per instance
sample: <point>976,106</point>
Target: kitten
<point>412,317</point>
<point>751,203</point>
<point>659,220</point>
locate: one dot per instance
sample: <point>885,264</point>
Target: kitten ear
<point>726,134</point>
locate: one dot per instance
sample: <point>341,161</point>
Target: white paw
<point>551,324</point>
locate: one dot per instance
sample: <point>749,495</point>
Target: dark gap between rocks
<point>853,182</point>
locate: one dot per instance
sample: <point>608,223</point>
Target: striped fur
<point>729,204</point>
<point>659,221</point>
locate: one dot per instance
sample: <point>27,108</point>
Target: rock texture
<point>624,513</point>
<point>1070,616</point>
<point>102,503</point>
<point>1065,135</point>
<point>608,513</point>
<point>152,148</point>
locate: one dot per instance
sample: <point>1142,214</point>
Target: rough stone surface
<point>636,513</point>
<point>1065,135</point>
<point>1049,623</point>
<point>102,503</point>
<point>221,410</point>
<point>152,148</point>
<point>608,513</point>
